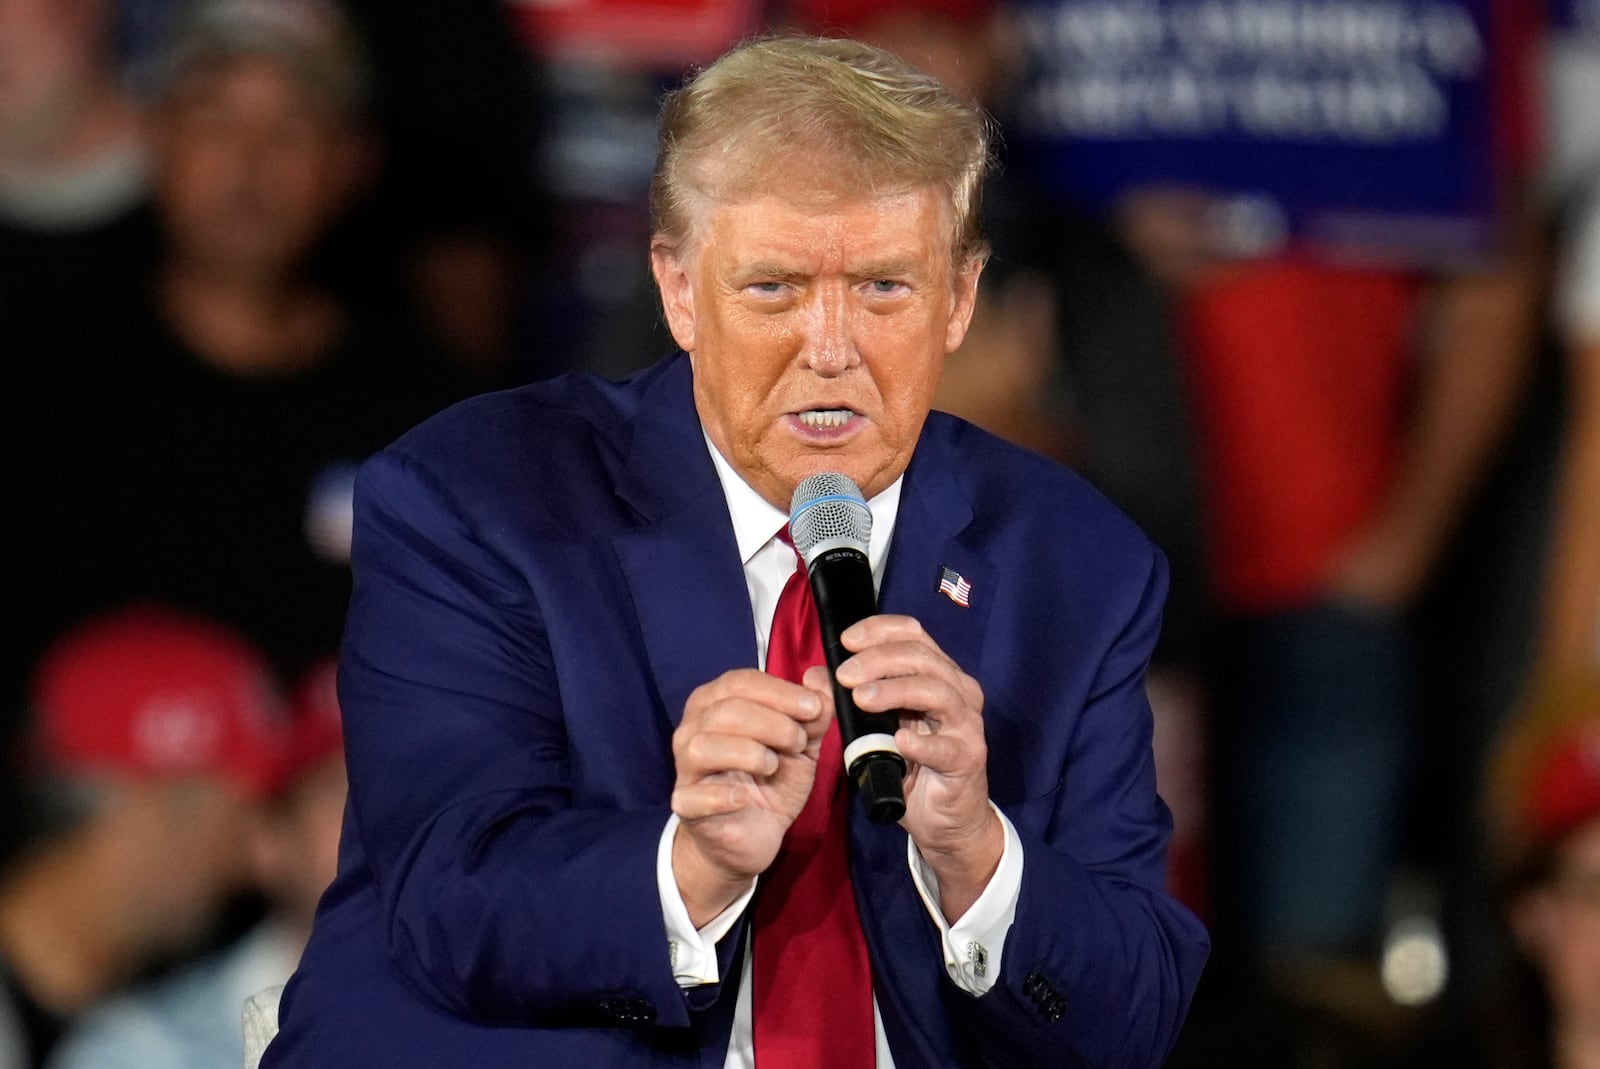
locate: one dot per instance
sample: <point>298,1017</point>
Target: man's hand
<point>746,756</point>
<point>897,666</point>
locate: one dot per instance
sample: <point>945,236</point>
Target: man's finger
<point>708,754</point>
<point>936,698</point>
<point>710,798</point>
<point>938,753</point>
<point>884,627</point>
<point>758,687</point>
<point>896,659</point>
<point>819,681</point>
<point>748,719</point>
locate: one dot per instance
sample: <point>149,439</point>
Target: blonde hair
<point>791,104</point>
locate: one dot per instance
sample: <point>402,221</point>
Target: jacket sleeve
<point>502,900</point>
<point>1100,964</point>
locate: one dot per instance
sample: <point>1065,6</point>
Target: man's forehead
<point>251,72</point>
<point>892,225</point>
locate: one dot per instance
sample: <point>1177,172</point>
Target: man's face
<point>48,54</point>
<point>252,166</point>
<point>182,854</point>
<point>295,845</point>
<point>817,326</point>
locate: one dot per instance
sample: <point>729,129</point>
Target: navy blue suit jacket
<point>541,578</point>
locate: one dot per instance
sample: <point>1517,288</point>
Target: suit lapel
<point>681,562</point>
<point>682,567</point>
<point>935,514</point>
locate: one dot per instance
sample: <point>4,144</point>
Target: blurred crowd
<point>246,243</point>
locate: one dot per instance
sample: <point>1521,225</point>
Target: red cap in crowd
<point>849,16</point>
<point>315,730</point>
<point>1564,791</point>
<point>157,693</point>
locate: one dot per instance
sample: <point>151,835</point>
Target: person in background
<point>194,439</point>
<point>74,164</point>
<point>191,1019</point>
<point>1570,637</point>
<point>1346,420</point>
<point>1569,640</point>
<point>456,217</point>
<point>1554,899</point>
<point>152,745</point>
<point>459,219</point>
<point>1543,812</point>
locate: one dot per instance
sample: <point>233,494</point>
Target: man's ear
<point>966,300</point>
<point>677,294</point>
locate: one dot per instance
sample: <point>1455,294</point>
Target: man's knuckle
<point>700,749</point>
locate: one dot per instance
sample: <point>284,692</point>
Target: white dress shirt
<point>972,946</point>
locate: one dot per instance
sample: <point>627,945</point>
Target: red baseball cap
<point>315,729</point>
<point>158,693</point>
<point>1564,790</point>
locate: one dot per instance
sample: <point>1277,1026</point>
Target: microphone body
<point>830,524</point>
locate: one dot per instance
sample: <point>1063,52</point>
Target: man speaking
<point>596,813</point>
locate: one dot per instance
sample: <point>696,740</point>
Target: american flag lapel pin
<point>954,585</point>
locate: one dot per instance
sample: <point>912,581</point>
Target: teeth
<point>826,417</point>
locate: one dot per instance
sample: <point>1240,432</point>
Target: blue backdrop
<point>1369,126</point>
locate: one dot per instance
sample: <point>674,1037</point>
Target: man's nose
<point>829,347</point>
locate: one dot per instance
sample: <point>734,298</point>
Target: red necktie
<point>812,993</point>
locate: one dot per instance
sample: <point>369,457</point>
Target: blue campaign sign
<point>1368,126</point>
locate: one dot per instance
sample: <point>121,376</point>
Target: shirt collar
<point>755,519</point>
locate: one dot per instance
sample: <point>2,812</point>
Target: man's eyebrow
<point>765,271</point>
<point>888,269</point>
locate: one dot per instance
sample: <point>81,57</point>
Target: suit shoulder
<point>543,415</point>
<point>574,428</point>
<point>540,457</point>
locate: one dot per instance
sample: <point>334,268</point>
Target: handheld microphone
<point>831,527</point>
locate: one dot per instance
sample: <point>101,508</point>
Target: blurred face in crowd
<point>49,51</point>
<point>817,321</point>
<point>1559,927</point>
<point>183,853</point>
<point>296,848</point>
<point>252,166</point>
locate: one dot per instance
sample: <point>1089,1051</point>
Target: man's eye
<point>767,288</point>
<point>886,285</point>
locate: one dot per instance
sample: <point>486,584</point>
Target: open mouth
<point>825,418</point>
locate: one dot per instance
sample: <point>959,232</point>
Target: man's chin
<point>869,477</point>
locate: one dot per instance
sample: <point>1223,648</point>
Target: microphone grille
<point>828,508</point>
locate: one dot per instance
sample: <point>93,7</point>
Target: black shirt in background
<point>145,473</point>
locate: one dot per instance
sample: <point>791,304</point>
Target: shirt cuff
<point>692,951</point>
<point>973,944</point>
